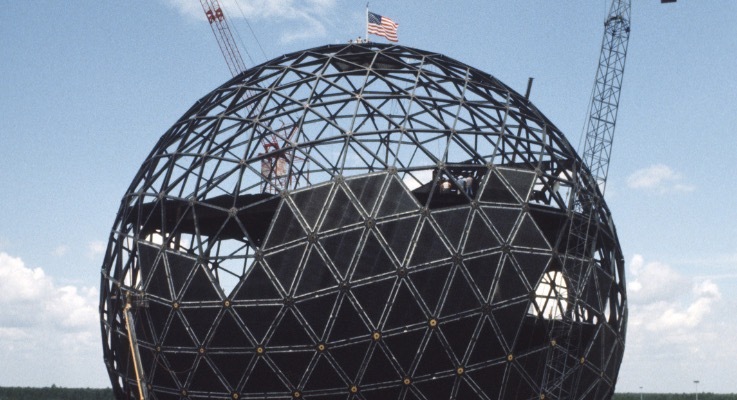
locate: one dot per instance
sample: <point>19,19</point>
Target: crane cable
<point>237,33</point>
<point>258,42</point>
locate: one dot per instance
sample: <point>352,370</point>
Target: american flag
<point>382,26</point>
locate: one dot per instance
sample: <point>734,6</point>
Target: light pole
<point>697,389</point>
<point>640,392</point>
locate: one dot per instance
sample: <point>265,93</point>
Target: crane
<point>604,105</point>
<point>276,166</point>
<point>223,35</point>
<point>565,359</point>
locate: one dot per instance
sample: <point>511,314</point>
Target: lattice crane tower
<point>607,88</point>
<point>582,258</point>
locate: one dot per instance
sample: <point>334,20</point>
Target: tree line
<point>54,393</point>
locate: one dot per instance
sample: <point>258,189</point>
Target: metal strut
<point>565,358</point>
<point>133,342</point>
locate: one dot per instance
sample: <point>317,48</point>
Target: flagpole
<point>367,19</point>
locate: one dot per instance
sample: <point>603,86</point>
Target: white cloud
<point>44,326</point>
<point>29,298</point>
<point>675,322</point>
<point>707,288</point>
<point>653,282</point>
<point>660,178</point>
<point>60,251</point>
<point>95,249</point>
<point>664,300</point>
<point>306,17</point>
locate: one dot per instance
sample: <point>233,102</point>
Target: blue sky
<point>88,87</point>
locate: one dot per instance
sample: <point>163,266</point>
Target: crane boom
<point>223,35</point>
<point>602,120</point>
<point>276,166</point>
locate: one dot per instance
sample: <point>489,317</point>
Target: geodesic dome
<point>363,221</point>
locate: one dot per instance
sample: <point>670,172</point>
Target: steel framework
<point>414,250</point>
